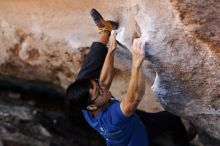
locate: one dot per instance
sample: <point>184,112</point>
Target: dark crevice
<point>40,117</point>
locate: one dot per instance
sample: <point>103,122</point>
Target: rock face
<point>47,41</point>
<point>34,114</point>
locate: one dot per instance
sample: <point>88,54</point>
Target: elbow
<point>105,84</point>
<point>137,97</point>
<point>129,107</point>
<point>136,101</point>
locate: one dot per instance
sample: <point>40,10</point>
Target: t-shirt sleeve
<point>115,114</point>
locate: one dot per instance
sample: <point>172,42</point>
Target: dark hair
<point>77,94</point>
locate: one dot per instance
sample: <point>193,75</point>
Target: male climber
<point>115,120</point>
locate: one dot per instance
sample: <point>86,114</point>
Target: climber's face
<point>100,95</point>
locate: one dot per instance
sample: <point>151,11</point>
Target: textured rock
<point>186,60</point>
<point>34,114</point>
<point>47,41</point>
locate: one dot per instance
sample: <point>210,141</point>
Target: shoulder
<point>114,113</point>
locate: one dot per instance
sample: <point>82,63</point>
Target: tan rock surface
<point>48,41</point>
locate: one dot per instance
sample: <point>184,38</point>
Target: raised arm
<point>107,72</point>
<point>136,87</point>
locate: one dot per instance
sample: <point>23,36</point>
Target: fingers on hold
<point>113,33</point>
<point>138,45</point>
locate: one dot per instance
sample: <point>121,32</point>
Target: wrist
<point>111,51</point>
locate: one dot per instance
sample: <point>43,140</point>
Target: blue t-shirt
<point>116,128</point>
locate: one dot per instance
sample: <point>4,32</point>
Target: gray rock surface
<point>34,114</point>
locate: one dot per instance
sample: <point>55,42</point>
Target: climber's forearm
<point>107,72</point>
<point>135,92</point>
<point>136,87</point>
